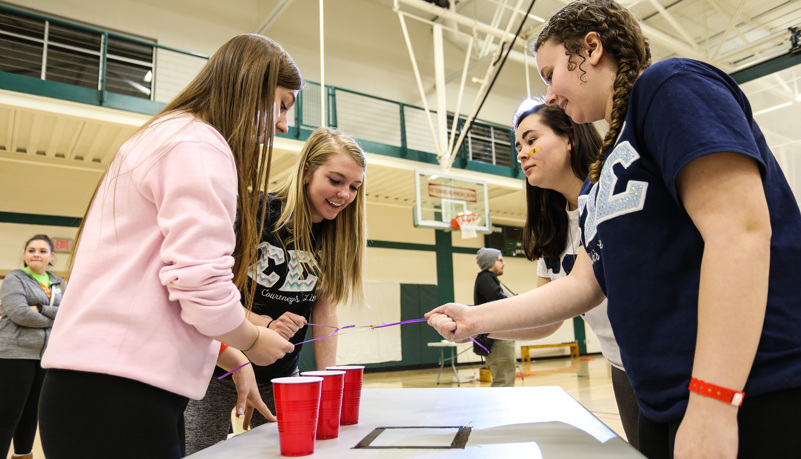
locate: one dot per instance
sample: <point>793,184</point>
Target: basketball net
<point>467,222</point>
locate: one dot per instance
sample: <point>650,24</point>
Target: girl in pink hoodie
<point>160,261</point>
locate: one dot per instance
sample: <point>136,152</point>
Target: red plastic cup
<point>351,393</point>
<point>297,402</point>
<point>330,402</point>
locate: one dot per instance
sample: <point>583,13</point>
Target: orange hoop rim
<point>462,218</point>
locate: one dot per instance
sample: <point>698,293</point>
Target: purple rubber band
<point>400,323</point>
<point>337,329</point>
<point>354,326</point>
<point>315,339</point>
<point>230,372</point>
<point>479,345</point>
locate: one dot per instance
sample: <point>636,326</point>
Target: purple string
<point>400,323</point>
<point>337,329</point>
<point>479,344</point>
<point>371,327</point>
<point>240,366</point>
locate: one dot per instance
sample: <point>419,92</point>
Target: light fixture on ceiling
<point>776,107</point>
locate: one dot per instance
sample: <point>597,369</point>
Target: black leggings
<point>92,415</point>
<point>767,426</point>
<point>626,405</point>
<point>20,384</point>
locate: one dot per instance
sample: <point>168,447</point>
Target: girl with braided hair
<point>689,229</point>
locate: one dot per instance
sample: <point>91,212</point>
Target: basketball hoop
<point>467,222</point>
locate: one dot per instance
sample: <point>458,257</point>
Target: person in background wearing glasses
<point>501,356</point>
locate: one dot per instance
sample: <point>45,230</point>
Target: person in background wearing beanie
<point>501,359</point>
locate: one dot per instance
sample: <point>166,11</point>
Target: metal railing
<point>39,54</point>
<point>400,126</point>
<point>57,51</point>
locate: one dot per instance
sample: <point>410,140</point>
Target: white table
<point>528,422</point>
<point>442,345</point>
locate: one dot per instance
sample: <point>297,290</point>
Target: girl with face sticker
<point>161,256</point>
<point>689,229</point>
<point>29,300</point>
<point>555,154</point>
<point>311,260</point>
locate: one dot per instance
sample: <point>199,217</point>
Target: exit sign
<point>62,245</point>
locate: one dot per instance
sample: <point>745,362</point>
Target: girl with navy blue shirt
<point>689,228</point>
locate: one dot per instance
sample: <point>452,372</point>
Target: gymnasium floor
<point>587,379</point>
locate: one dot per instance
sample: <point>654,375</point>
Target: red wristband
<point>732,397</point>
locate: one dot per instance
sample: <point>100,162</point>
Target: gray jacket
<point>23,331</point>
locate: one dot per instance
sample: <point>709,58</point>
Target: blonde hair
<point>342,242</point>
<point>621,36</point>
<point>235,93</point>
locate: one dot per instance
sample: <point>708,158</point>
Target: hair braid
<point>620,106</point>
<point>621,36</point>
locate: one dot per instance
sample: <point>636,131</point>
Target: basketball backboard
<point>441,198</point>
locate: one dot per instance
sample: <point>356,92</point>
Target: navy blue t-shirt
<point>646,251</point>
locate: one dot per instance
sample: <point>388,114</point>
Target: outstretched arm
<point>557,301</point>
<point>530,333</point>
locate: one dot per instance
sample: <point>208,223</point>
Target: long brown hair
<point>545,233</point>
<point>342,242</point>
<point>235,93</point>
<point>621,36</point>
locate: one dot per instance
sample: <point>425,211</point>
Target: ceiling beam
<point>671,43</point>
<point>690,41</point>
<point>732,24</point>
<point>719,10</point>
<point>273,16</point>
<point>459,18</point>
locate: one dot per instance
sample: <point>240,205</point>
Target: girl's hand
<point>248,396</point>
<point>708,430</point>
<point>288,324</point>
<point>269,347</point>
<point>452,321</point>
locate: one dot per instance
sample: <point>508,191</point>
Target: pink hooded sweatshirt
<point>152,279</point>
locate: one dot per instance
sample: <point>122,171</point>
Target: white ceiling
<point>731,34</point>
